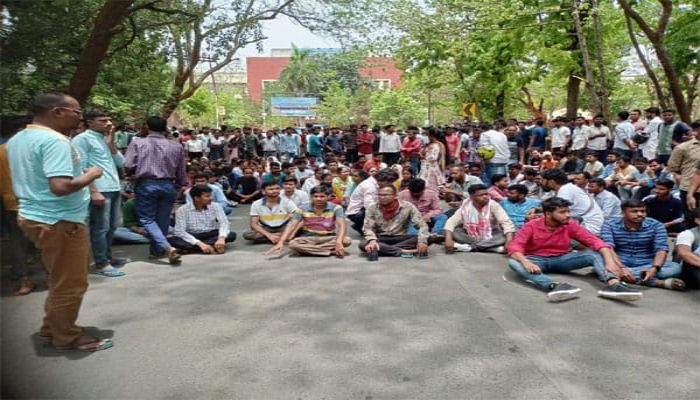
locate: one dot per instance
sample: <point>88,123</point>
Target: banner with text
<point>293,106</point>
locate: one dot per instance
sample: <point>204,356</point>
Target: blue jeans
<point>561,264</point>
<point>490,169</point>
<point>104,220</point>
<point>437,223</point>
<point>670,269</point>
<point>127,236</point>
<point>154,202</point>
<point>415,165</point>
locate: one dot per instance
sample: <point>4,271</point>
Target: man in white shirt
<point>598,137</point>
<point>204,137</point>
<point>298,197</point>
<point>560,134</point>
<point>583,208</point>
<point>579,137</point>
<point>651,130</point>
<point>390,145</point>
<point>498,163</point>
<point>193,147</point>
<point>270,145</point>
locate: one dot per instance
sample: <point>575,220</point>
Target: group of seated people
<point>546,221</point>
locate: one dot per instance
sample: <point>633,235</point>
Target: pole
<point>216,98</point>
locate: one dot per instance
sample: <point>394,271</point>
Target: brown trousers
<point>65,252</point>
<point>317,245</point>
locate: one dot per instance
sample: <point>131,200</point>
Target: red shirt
<point>411,148</point>
<point>371,163</point>
<point>535,238</point>
<point>364,142</point>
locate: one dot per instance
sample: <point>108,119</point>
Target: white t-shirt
<point>582,206</point>
<point>299,198</point>
<point>389,143</point>
<point>559,136</point>
<point>579,138</point>
<point>600,143</point>
<point>193,146</point>
<point>687,238</point>
<point>499,141</point>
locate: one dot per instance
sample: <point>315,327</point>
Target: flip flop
<point>174,258</point>
<point>96,345</point>
<point>120,262</point>
<point>406,255</point>
<point>110,272</point>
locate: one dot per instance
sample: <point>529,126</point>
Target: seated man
<point>275,174</point>
<point>665,208</point>
<point>365,194</point>
<point>201,225</point>
<point>427,201</point>
<point>456,190</point>
<point>582,207</point>
<point>269,215</point>
<point>544,245</point>
<point>688,250</point>
<point>480,224</point>
<point>131,231</point>
<point>498,189</point>
<point>218,195</point>
<point>385,228</point>
<point>518,206</point>
<point>322,225</point>
<point>608,202</point>
<point>296,196</point>
<point>247,188</point>
<point>641,248</point>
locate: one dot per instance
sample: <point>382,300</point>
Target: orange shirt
<point>9,201</point>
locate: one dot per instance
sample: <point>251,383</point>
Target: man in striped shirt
<point>641,248</point>
<point>322,226</point>
<point>269,215</point>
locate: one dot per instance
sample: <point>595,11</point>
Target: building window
<point>382,84</point>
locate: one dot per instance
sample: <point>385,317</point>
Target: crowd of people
<point>554,196</point>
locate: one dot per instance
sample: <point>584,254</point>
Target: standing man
<point>270,145</point>
<point>498,163</point>
<point>390,145</point>
<point>158,166</point>
<point>579,137</point>
<point>683,162</point>
<point>598,137</point>
<point>289,145</point>
<point>97,149</point>
<point>561,135</point>
<point>624,132</point>
<point>53,204</point>
<point>671,132</point>
<point>350,142</point>
<point>651,130</point>
<point>365,142</point>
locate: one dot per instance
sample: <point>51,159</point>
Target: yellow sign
<point>468,109</point>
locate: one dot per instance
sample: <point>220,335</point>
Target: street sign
<point>468,109</point>
<point>293,106</point>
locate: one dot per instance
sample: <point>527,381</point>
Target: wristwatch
<point>656,267</point>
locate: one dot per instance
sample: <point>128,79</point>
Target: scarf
<point>477,223</point>
<point>389,211</point>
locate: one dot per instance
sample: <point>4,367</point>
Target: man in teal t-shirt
<point>53,203</point>
<point>98,149</point>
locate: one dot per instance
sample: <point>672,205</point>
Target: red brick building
<point>260,70</point>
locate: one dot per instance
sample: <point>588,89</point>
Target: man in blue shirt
<point>97,149</point>
<point>217,196</point>
<point>641,248</point>
<point>289,144</point>
<point>53,206</point>
<point>518,206</point>
<point>537,136</point>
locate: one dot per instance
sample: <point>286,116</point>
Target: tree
<point>302,74</point>
<point>336,106</point>
<point>398,107</point>
<point>217,32</point>
<point>656,37</point>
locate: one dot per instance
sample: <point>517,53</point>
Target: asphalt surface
<point>246,326</point>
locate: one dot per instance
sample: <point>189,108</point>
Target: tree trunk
<point>587,68</point>
<point>598,42</point>
<point>647,67</point>
<point>573,89</point>
<point>501,104</point>
<point>95,50</point>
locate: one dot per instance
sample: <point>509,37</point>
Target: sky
<point>282,32</point>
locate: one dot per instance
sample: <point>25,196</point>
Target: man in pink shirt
<point>427,201</point>
<point>544,245</point>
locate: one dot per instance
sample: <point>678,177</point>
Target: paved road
<point>245,326</point>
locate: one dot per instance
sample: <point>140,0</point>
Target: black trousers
<point>392,245</point>
<point>691,276</point>
<point>358,220</point>
<point>391,158</point>
<point>688,220</point>
<point>209,238</point>
<point>350,156</point>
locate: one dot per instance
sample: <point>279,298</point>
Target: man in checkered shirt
<point>201,226</point>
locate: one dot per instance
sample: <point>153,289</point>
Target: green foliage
<point>235,109</point>
<point>302,75</point>
<point>398,107</point>
<point>336,107</point>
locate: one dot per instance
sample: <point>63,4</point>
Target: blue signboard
<point>293,106</point>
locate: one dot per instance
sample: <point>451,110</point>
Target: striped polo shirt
<point>319,224</point>
<point>273,217</point>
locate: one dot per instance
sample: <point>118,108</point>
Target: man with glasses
<point>53,205</point>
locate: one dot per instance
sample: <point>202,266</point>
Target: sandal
<point>422,256</point>
<point>173,257</point>
<point>674,284</point>
<point>110,272</point>
<point>406,255</point>
<point>119,262</point>
<point>92,345</point>
<point>25,287</point>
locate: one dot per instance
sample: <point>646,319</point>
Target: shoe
<point>561,292</point>
<point>373,256</point>
<point>119,262</point>
<point>232,203</point>
<point>463,247</point>
<point>499,250</point>
<point>620,291</point>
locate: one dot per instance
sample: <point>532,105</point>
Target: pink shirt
<point>534,238</point>
<point>428,203</point>
<point>496,193</point>
<point>452,142</point>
